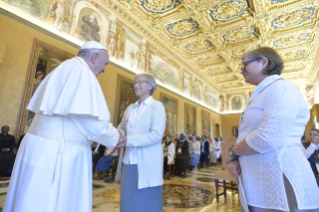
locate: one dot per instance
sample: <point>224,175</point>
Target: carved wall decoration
<point>291,55</point>
<point>183,28</point>
<point>293,18</point>
<point>210,59</point>
<point>216,70</point>
<point>210,99</point>
<point>239,34</point>
<point>198,91</point>
<point>199,46</point>
<point>236,102</point>
<point>278,1</point>
<point>226,78</point>
<point>162,69</point>
<point>159,6</point>
<point>291,40</point>
<point>223,103</point>
<point>228,11</point>
<point>193,41</point>
<point>243,49</point>
<point>293,65</point>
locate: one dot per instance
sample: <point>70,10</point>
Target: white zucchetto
<point>93,45</point>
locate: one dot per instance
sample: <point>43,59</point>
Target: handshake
<point>122,140</point>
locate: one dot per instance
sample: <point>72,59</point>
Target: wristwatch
<point>231,153</point>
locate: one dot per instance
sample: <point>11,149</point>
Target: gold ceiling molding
<point>208,38</point>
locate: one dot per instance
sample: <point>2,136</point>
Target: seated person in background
<point>7,157</point>
<point>182,154</point>
<point>105,163</point>
<point>168,152</point>
<point>311,151</point>
<point>204,151</point>
<point>195,153</point>
<point>97,152</point>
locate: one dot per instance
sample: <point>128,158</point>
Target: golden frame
<point>30,79</point>
<point>162,96</point>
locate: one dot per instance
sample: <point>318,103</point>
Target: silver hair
<point>86,53</point>
<point>150,80</point>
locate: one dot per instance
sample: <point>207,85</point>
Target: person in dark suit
<point>7,157</point>
<point>97,152</point>
<point>204,151</point>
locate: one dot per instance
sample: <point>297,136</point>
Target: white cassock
<point>218,149</point>
<point>53,167</point>
<point>213,151</point>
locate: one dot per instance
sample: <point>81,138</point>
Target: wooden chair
<point>224,175</point>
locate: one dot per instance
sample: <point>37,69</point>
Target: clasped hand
<point>122,140</point>
<point>233,167</point>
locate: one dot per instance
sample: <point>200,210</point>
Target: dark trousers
<point>6,163</point>
<point>165,165</point>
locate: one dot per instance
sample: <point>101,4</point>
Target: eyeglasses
<point>244,65</point>
<point>313,135</point>
<point>139,82</point>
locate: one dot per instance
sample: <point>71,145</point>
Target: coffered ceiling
<point>211,36</point>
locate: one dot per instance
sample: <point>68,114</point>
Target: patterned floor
<point>190,193</point>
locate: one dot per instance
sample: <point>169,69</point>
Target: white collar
<point>148,101</point>
<point>82,61</point>
<point>264,84</point>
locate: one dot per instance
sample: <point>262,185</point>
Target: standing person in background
<point>143,124</point>
<point>177,136</point>
<point>7,157</point>
<point>212,150</point>
<point>275,174</point>
<point>204,151</point>
<point>218,148</point>
<point>195,153</point>
<point>182,154</point>
<point>55,156</point>
<point>311,151</point>
<point>169,153</point>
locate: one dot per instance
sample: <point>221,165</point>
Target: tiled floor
<point>193,192</point>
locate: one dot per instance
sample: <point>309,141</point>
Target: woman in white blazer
<point>276,176</point>
<point>143,124</point>
<point>169,152</point>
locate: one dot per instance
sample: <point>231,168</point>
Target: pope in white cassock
<point>53,168</point>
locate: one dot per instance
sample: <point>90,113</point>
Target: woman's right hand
<point>234,169</point>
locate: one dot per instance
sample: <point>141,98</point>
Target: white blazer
<point>170,153</point>
<point>272,124</point>
<point>149,143</point>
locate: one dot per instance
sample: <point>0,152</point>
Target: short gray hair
<point>150,80</point>
<point>86,53</point>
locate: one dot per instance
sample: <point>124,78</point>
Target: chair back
<point>225,146</point>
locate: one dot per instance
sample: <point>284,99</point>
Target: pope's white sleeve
<point>96,130</point>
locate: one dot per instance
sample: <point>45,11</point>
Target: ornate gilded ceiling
<point>194,47</point>
<point>211,36</point>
